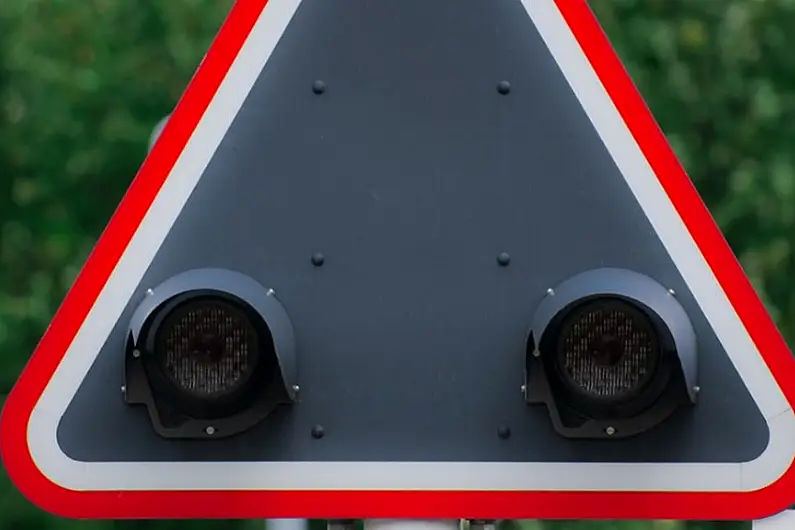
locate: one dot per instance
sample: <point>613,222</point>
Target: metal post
<point>286,524</point>
<point>156,132</point>
<point>412,524</point>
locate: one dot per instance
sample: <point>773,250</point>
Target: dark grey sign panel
<point>411,173</point>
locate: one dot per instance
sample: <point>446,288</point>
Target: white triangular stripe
<point>429,476</point>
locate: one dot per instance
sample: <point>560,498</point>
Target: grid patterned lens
<point>607,349</point>
<point>207,348</point>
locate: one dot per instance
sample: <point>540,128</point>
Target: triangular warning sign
<point>323,292</point>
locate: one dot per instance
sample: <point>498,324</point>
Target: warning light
<point>611,353</point>
<point>210,353</point>
<point>607,350</point>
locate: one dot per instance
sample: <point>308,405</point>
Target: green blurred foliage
<point>83,83</point>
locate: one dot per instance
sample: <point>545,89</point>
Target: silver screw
<point>296,388</point>
<point>149,292</point>
<point>524,389</point>
<point>696,389</point>
<point>550,292</point>
<point>536,353</point>
<point>136,354</point>
<point>210,430</point>
<point>610,431</point>
<point>671,292</point>
<point>271,292</point>
<point>123,389</point>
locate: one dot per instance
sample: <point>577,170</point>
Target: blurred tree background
<point>83,83</point>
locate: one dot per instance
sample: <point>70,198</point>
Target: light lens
<point>608,349</point>
<point>207,347</point>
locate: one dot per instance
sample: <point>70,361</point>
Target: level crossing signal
<point>408,260</point>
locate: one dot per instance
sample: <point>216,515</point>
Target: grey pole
<point>412,524</point>
<point>156,132</point>
<point>286,524</point>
